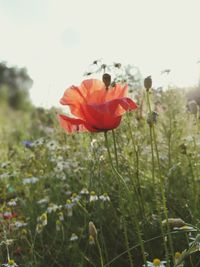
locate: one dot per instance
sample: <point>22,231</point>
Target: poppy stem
<point>115,148</point>
<point>162,189</point>
<point>111,162</point>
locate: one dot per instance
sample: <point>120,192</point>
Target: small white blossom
<point>73,237</point>
<point>38,142</point>
<point>75,198</point>
<point>104,197</point>
<point>11,263</point>
<point>12,202</point>
<point>93,196</point>
<point>93,142</point>
<point>31,180</point>
<point>43,201</point>
<point>156,263</point>
<point>84,191</point>
<point>19,224</point>
<point>52,145</point>
<point>52,208</point>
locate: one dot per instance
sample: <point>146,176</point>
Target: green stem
<point>115,149</point>
<point>153,140</point>
<point>127,244</point>
<point>137,226</point>
<point>137,187</point>
<point>100,252</point>
<point>111,163</point>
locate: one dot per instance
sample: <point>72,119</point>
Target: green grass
<point>153,177</point>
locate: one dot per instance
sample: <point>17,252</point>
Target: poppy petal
<point>72,96</point>
<point>107,115</point>
<point>74,125</point>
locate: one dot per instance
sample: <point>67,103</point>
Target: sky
<point>56,40</point>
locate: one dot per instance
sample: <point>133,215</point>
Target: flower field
<point>118,186</point>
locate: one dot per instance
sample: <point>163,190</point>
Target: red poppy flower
<point>97,109</point>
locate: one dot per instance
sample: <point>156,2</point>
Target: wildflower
<point>96,108</point>
<point>93,143</point>
<point>43,219</point>
<point>31,180</point>
<point>104,197</point>
<point>38,142</point>
<point>61,216</point>
<point>75,198</point>
<point>43,201</point>
<point>93,196</point>
<point>19,224</point>
<point>73,237</point>
<point>52,145</point>
<point>39,228</point>
<point>12,202</point>
<point>84,191</point>
<point>27,144</point>
<point>11,263</point>
<point>52,208</point>
<point>187,228</point>
<point>8,215</point>
<point>178,259</point>
<point>156,263</point>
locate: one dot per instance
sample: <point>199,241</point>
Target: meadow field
<point>128,196</point>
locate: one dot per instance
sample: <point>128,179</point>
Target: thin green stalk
<point>138,190</point>
<point>100,252</point>
<point>169,141</point>
<point>111,163</point>
<point>153,140</point>
<point>115,149</point>
<point>163,196</point>
<point>136,224</point>
<point>127,244</point>
<point>194,187</point>
<point>188,241</point>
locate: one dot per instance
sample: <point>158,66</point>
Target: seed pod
<point>148,83</point>
<point>106,79</point>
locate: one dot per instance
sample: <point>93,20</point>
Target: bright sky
<point>57,39</point>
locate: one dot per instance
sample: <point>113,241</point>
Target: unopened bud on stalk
<point>92,230</point>
<point>148,83</point>
<point>174,222</point>
<point>106,79</point>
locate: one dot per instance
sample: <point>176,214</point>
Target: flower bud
<point>92,230</point>
<point>106,79</point>
<point>174,222</point>
<point>148,83</point>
